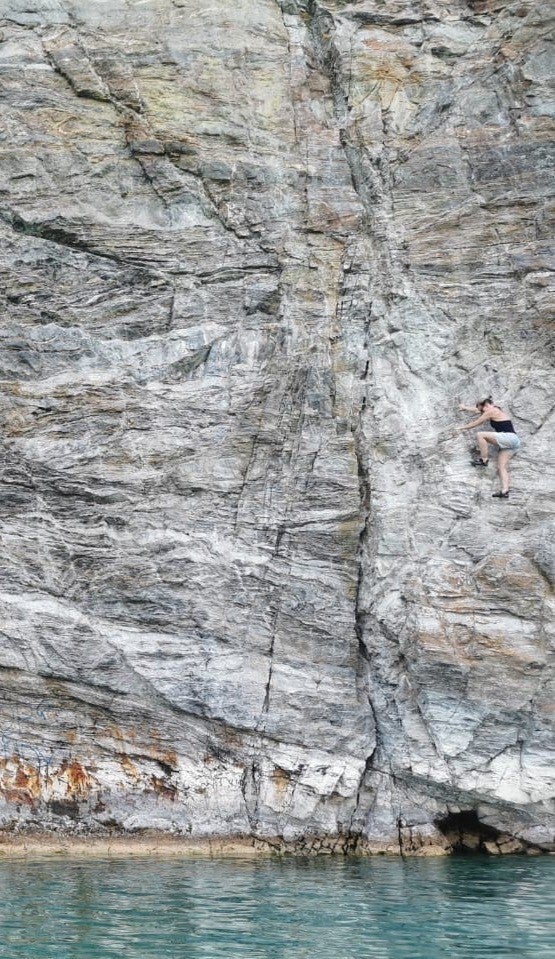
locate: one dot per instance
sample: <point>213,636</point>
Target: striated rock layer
<point>253,256</point>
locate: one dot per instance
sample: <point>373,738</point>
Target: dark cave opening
<point>465,833</point>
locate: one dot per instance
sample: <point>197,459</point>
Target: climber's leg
<point>502,468</point>
<point>483,439</point>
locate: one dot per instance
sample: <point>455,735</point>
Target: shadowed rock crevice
<point>466,835</point>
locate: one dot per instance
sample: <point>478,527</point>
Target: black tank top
<point>502,426</point>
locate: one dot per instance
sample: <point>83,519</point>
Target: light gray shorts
<point>508,441</point>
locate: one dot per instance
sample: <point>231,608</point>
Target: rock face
<point>253,256</point>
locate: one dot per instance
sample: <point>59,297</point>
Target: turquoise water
<point>473,908</point>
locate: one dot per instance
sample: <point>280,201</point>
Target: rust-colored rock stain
<point>163,789</point>
<point>281,779</point>
<point>129,767</point>
<point>20,782</point>
<point>77,779</point>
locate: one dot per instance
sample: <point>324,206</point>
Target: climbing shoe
<point>479,462</point>
<point>500,495</point>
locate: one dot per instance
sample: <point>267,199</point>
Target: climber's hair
<point>481,403</point>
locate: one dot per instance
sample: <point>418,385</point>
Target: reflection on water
<point>475,908</point>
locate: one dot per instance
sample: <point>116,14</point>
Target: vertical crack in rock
<point>400,837</point>
<point>250,791</point>
<point>369,177</point>
<point>283,7</point>
<point>365,182</point>
<point>360,615</point>
<point>266,702</point>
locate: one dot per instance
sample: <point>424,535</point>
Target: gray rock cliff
<point>253,256</point>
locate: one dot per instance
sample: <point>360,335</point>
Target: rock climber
<point>504,437</point>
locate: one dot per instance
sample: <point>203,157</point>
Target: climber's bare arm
<point>468,409</point>
<point>470,426</point>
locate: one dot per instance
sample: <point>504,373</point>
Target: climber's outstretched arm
<point>470,426</point>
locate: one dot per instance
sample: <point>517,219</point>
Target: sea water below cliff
<point>474,908</point>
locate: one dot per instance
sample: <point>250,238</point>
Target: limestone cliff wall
<point>253,256</point>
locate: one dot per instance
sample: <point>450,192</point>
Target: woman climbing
<point>503,436</point>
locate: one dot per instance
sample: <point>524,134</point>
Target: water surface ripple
<point>475,908</point>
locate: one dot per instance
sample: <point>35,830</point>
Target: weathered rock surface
<point>253,256</point>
